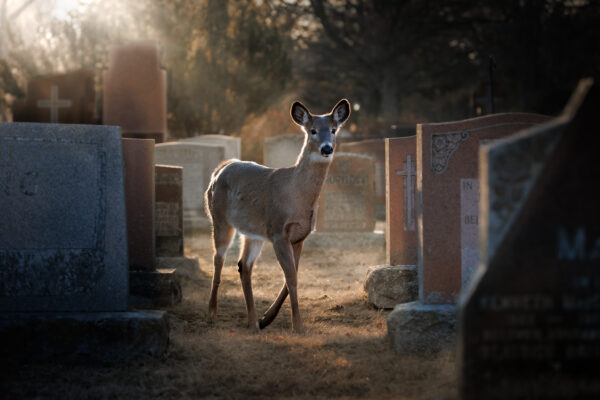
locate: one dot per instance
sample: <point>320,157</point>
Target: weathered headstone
<point>530,324</point>
<point>447,172</point>
<point>62,98</point>
<point>448,216</point>
<point>232,144</point>
<point>198,162</point>
<point>169,222</point>
<point>63,247</point>
<point>138,156</point>
<point>282,151</point>
<point>374,148</point>
<point>135,92</point>
<point>346,203</point>
<point>401,202</point>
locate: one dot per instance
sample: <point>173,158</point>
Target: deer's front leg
<point>285,256</point>
<point>273,310</point>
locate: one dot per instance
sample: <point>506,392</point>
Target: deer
<point>278,205</point>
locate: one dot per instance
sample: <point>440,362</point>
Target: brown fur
<point>278,205</point>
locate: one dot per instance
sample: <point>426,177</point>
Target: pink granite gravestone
<point>401,201</point>
<point>374,148</point>
<point>135,92</point>
<point>448,186</point>
<point>62,98</point>
<point>138,156</point>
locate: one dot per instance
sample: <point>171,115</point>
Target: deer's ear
<point>300,113</point>
<point>341,111</point>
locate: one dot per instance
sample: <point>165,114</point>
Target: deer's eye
<point>313,131</point>
<point>333,131</point>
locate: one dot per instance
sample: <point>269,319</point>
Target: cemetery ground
<point>343,353</point>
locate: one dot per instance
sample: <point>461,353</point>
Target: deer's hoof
<point>262,324</point>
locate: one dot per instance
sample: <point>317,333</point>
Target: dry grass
<point>344,352</point>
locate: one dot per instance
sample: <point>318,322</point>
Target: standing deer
<point>278,205</point>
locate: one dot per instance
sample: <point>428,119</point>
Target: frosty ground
<point>344,353</point>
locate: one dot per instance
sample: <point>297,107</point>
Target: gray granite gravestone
<point>530,325</point>
<point>233,145</point>
<point>198,162</point>
<point>63,247</point>
<point>282,151</point>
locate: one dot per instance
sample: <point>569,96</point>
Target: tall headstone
<point>62,98</point>
<point>135,92</point>
<point>374,148</point>
<point>232,144</point>
<point>63,247</point>
<point>448,187</point>
<point>138,156</point>
<point>529,326</point>
<point>346,203</point>
<point>401,202</point>
<point>198,162</point>
<point>282,151</point>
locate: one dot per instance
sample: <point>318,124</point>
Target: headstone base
<point>422,329</point>
<point>97,337</point>
<point>183,266</point>
<point>388,285</point>
<point>159,288</point>
<point>346,240</point>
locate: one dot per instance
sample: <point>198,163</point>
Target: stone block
<point>158,288</point>
<point>389,285</point>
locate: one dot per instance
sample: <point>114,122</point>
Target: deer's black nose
<point>326,150</point>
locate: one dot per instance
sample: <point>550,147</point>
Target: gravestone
<point>530,323</point>
<point>447,180</point>
<point>233,145</point>
<point>448,218</point>
<point>138,156</point>
<point>397,282</point>
<point>169,222</point>
<point>282,151</point>
<point>63,247</point>
<point>61,98</point>
<point>135,92</point>
<point>374,148</point>
<point>198,162</point>
<point>346,203</point>
<point>401,202</point>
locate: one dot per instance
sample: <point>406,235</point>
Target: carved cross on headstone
<point>408,175</point>
<point>54,104</point>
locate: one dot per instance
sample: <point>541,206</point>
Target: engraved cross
<point>54,104</point>
<point>408,174</point>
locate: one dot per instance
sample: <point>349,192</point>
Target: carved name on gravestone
<point>169,211</point>
<point>529,327</point>
<point>63,242</point>
<point>138,155</point>
<point>233,145</point>
<point>447,172</point>
<point>374,148</point>
<point>346,203</point>
<point>282,151</point>
<point>63,98</point>
<point>198,162</point>
<point>401,202</point>
<point>135,92</point>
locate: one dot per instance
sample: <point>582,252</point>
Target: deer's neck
<point>310,172</point>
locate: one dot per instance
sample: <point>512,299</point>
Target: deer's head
<point>321,129</point>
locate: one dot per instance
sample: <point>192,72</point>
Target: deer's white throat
<point>318,158</point>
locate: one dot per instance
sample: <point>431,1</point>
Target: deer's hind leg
<point>222,237</point>
<point>250,251</point>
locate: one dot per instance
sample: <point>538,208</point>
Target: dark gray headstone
<point>530,323</point>
<point>63,241</point>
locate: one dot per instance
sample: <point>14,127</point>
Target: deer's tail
<point>211,186</point>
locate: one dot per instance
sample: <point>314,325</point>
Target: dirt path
<point>343,354</point>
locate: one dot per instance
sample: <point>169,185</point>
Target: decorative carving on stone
<point>443,145</point>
